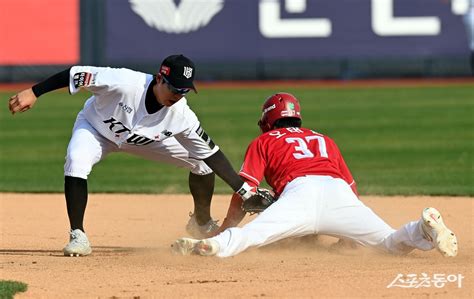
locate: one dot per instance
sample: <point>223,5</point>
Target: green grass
<point>9,288</point>
<point>404,141</point>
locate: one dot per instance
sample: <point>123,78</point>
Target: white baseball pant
<point>87,147</point>
<point>321,205</point>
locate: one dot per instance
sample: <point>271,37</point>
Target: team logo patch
<point>188,72</point>
<point>83,79</point>
<point>165,70</point>
<point>290,112</point>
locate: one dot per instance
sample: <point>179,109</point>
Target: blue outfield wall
<point>277,39</point>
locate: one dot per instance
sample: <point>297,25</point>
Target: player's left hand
<point>22,101</point>
<point>258,202</point>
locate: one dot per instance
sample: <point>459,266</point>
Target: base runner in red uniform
<point>316,195</point>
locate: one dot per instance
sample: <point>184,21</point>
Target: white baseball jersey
<point>117,111</point>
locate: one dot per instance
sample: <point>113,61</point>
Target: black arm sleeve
<point>222,167</point>
<point>54,82</point>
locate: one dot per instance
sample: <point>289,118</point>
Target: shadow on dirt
<point>97,251</point>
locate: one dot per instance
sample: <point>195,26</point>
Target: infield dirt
<point>131,237</point>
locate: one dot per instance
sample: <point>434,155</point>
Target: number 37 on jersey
<point>302,148</point>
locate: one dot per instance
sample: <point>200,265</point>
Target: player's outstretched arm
<point>25,99</point>
<point>235,214</point>
<point>22,101</point>
<point>219,163</point>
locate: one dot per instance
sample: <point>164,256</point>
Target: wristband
<point>245,191</point>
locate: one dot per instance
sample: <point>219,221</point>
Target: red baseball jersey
<point>282,155</point>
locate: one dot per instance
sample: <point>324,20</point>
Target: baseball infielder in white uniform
<point>143,115</point>
<point>316,195</point>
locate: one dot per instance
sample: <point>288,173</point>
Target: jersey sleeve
<point>99,80</point>
<point>253,167</point>
<point>197,142</point>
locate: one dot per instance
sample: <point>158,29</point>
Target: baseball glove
<point>258,202</point>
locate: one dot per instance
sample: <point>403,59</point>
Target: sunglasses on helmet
<point>173,89</point>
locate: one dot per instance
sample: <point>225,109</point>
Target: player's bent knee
<point>75,174</point>
<point>79,168</point>
<point>201,168</point>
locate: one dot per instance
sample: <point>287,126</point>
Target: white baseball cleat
<point>188,246</point>
<point>78,244</point>
<point>438,233</point>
